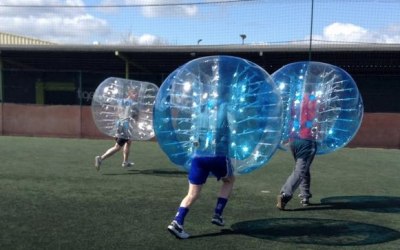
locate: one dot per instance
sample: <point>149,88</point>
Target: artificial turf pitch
<point>51,197</point>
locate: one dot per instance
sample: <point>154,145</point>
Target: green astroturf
<point>51,197</point>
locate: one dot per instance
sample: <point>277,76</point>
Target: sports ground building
<point>51,85</point>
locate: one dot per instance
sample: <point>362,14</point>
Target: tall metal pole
<point>311,29</point>
<point>1,94</point>
<point>1,79</point>
<point>126,69</point>
<point>126,63</point>
<point>80,102</point>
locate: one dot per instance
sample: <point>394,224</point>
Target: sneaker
<point>305,199</point>
<point>177,230</point>
<point>282,200</point>
<point>127,164</point>
<point>217,220</point>
<point>305,202</point>
<point>97,162</point>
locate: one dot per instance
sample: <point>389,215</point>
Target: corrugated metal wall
<point>6,38</point>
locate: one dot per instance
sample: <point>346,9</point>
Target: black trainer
<point>217,220</point>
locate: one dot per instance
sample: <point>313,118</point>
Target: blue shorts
<point>219,166</point>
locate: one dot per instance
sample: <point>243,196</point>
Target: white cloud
<point>76,24</point>
<point>155,8</point>
<point>145,39</point>
<point>347,32</point>
<point>62,25</point>
<point>148,39</point>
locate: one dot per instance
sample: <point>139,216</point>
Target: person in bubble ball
<point>128,111</point>
<point>303,148</point>
<point>202,165</point>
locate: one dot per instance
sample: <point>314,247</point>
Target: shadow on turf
<point>313,231</point>
<point>379,204</point>
<point>159,172</point>
<point>222,232</point>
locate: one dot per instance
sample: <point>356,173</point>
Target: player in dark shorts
<point>202,167</point>
<point>208,160</point>
<point>128,113</point>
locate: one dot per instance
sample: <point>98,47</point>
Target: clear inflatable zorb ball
<point>124,108</point>
<point>321,102</point>
<point>219,106</point>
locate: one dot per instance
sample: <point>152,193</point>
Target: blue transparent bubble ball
<point>124,108</point>
<point>321,102</point>
<point>219,105</point>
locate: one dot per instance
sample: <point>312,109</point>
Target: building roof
<point>164,59</point>
<point>290,47</point>
<point>16,40</point>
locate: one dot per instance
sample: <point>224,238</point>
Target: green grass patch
<point>51,197</point>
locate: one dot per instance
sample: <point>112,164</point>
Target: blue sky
<point>263,21</point>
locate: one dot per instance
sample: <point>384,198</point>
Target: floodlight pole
<point>1,93</point>
<point>1,79</point>
<point>126,63</point>
<point>243,36</point>
<point>311,29</point>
